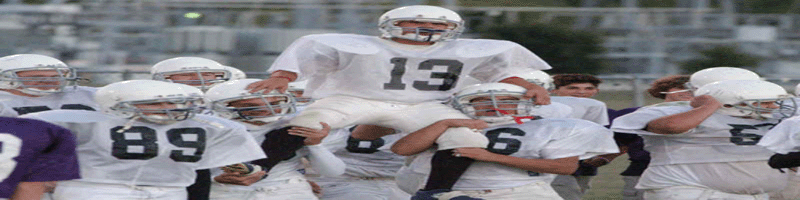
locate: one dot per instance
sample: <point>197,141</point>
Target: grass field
<point>608,183</point>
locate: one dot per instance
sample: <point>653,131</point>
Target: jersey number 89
<point>149,148</point>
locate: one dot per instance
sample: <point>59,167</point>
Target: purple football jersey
<point>34,151</point>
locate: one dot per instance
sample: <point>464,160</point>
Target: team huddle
<point>397,116</point>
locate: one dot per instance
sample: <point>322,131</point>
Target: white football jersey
<point>79,98</point>
<point>585,108</point>
<point>152,154</point>
<point>366,158</point>
<point>373,68</point>
<point>720,138</point>
<point>783,138</point>
<point>553,110</point>
<point>536,139</point>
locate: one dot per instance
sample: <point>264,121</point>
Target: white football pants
<point>351,188</point>
<point>696,193</point>
<point>294,188</point>
<point>76,190</point>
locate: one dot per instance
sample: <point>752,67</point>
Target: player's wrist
<point>288,79</point>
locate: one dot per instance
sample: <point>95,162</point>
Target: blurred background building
<point>647,38</point>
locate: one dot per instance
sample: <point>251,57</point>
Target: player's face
<point>411,25</point>
<point>484,107</point>
<point>156,108</point>
<point>192,78</point>
<point>47,79</point>
<point>585,90</point>
<point>258,106</point>
<point>296,93</point>
<point>678,94</point>
<point>764,104</point>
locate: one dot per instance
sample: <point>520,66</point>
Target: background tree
<point>728,56</point>
<point>567,50</point>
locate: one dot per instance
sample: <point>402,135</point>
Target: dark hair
<point>566,79</point>
<point>663,84</point>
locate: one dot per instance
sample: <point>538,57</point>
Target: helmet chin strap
<point>517,119</point>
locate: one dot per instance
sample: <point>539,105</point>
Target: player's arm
<point>278,80</point>
<point>540,95</point>
<point>371,132</point>
<point>28,191</point>
<point>320,158</point>
<point>422,139</point>
<point>565,166</point>
<point>704,107</point>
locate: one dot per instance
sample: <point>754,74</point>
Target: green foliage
<point>567,50</point>
<point>728,56</point>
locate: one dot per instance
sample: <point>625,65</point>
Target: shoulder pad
<point>471,48</point>
<point>351,43</point>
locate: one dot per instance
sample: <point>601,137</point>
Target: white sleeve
<point>324,162</point>
<point>232,145</point>
<point>509,63</point>
<point>783,138</point>
<point>636,122</point>
<point>306,57</point>
<point>597,114</point>
<point>586,140</point>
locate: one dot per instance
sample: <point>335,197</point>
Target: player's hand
<point>315,188</point>
<point>705,100</point>
<point>313,136</point>
<point>469,123</point>
<point>272,83</point>
<point>596,161</point>
<point>237,179</point>
<point>243,169</point>
<point>479,154</point>
<point>49,186</point>
<point>539,95</point>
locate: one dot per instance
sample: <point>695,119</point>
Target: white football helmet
<point>540,78</point>
<point>236,74</point>
<point>714,74</point>
<point>56,78</point>
<point>162,71</point>
<point>121,99</point>
<point>742,98</point>
<point>220,97</point>
<point>387,23</point>
<point>463,101</point>
<point>297,89</point>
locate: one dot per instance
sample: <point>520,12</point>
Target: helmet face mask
<point>264,108</point>
<point>763,108</point>
<point>35,75</point>
<point>202,79</point>
<point>152,101</point>
<point>494,103</point>
<point>163,110</point>
<point>231,100</point>
<point>421,23</point>
<point>194,71</point>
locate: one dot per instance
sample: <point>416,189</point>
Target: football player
<point>262,113</point>
<point>370,172</point>
<point>523,153</point>
<point>194,71</point>
<point>31,153</point>
<point>32,83</point>
<point>397,80</point>
<point>706,150</point>
<point>576,90</point>
<point>147,142</point>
